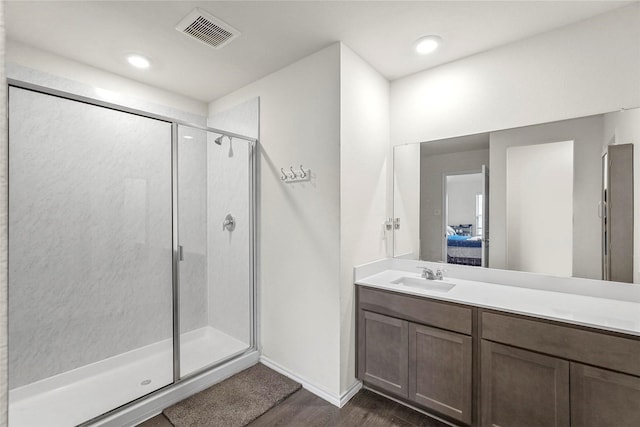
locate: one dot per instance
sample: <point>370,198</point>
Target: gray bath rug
<point>234,402</point>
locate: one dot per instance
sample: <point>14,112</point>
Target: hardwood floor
<point>365,409</point>
<point>306,409</point>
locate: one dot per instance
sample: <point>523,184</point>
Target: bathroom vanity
<point>490,354</point>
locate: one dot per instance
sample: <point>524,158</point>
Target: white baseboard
<point>334,399</point>
<point>351,391</point>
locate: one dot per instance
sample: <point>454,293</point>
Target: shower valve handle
<point>229,223</point>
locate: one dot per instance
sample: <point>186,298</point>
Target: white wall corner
<point>338,400</point>
<point>298,223</point>
<point>364,149</point>
<point>350,392</point>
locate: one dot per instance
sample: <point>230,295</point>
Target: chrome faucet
<point>428,274</point>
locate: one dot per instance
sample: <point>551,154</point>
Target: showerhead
<point>219,139</point>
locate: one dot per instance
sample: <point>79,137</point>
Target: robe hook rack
<point>295,175</point>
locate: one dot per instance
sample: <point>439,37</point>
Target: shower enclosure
<point>131,255</point>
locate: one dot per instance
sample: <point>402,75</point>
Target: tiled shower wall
<point>116,296</point>
<point>90,234</point>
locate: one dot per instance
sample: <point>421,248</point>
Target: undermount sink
<point>429,285</point>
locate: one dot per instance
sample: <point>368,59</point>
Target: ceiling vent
<point>207,28</point>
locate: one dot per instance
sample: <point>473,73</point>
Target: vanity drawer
<point>442,315</point>
<point>594,348</point>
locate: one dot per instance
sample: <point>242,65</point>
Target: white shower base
<point>76,396</point>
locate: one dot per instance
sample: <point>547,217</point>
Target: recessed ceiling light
<point>138,61</point>
<point>187,137</point>
<point>427,44</point>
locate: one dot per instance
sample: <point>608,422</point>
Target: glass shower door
<point>90,244</point>
<point>214,235</point>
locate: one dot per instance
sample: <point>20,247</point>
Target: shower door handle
<point>180,253</point>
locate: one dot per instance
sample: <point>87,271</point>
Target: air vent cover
<point>207,28</point>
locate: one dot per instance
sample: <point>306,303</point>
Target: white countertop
<point>593,311</point>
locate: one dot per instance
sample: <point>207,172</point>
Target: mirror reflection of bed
<point>464,218</point>
<point>588,231</point>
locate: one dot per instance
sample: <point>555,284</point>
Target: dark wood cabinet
<point>440,366</point>
<point>488,368</point>
<point>531,374</point>
<point>596,348</point>
<point>600,397</point>
<point>426,365</point>
<point>383,355</point>
<point>520,388</point>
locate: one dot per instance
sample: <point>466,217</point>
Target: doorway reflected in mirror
<point>521,223</point>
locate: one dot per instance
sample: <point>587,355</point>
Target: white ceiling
<point>277,33</point>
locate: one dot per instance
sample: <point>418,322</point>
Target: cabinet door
<point>603,398</point>
<point>383,352</point>
<point>440,371</point>
<point>523,389</point>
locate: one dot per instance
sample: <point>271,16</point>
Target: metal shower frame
<point>175,123</point>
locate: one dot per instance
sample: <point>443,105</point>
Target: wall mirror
<point>554,198</point>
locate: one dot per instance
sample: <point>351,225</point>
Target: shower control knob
<point>229,223</point>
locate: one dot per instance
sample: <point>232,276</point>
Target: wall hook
<point>295,175</point>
